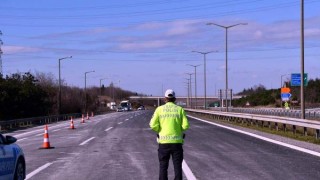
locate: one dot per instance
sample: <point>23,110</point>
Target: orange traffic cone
<point>87,116</point>
<point>72,124</point>
<point>46,143</point>
<point>82,120</point>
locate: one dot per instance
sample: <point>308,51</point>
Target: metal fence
<point>309,114</point>
<point>35,121</point>
<point>264,120</point>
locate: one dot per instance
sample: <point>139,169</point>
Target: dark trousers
<point>164,153</point>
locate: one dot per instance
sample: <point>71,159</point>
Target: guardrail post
<point>317,134</point>
<point>262,124</point>
<point>277,127</point>
<point>294,129</point>
<point>305,131</point>
<point>284,127</point>
<point>269,124</point>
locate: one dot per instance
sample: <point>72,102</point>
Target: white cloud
<point>182,27</point>
<point>76,33</point>
<point>149,26</point>
<point>143,45</point>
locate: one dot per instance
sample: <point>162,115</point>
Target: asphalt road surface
<point>121,146</point>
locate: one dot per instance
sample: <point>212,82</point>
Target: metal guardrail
<point>35,121</point>
<point>309,114</point>
<point>253,118</point>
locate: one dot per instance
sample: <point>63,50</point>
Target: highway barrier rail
<point>263,120</point>
<point>35,121</point>
<point>309,114</point>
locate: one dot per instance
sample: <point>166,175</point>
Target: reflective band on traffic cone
<point>72,124</point>
<point>46,143</point>
<point>82,120</point>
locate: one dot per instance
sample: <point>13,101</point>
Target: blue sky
<point>145,46</point>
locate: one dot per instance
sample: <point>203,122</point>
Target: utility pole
<point>302,63</point>
<point>101,85</point>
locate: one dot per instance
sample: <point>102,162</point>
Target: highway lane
<point>121,146</point>
<point>116,146</point>
<point>217,153</point>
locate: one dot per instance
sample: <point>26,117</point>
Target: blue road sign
<point>285,96</point>
<point>296,79</point>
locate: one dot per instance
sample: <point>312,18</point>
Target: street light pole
<point>85,89</point>
<point>205,72</point>
<point>59,96</point>
<point>190,89</point>
<point>226,28</point>
<point>281,79</point>
<point>100,85</point>
<point>195,83</point>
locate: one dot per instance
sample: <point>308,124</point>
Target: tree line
<point>260,96</point>
<point>24,95</point>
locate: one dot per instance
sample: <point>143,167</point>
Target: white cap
<point>170,93</point>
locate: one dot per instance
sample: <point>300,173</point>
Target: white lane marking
<point>86,141</point>
<point>108,129</point>
<point>264,138</point>
<point>120,123</point>
<point>187,171</point>
<point>127,120</point>
<point>56,130</point>
<point>21,139</point>
<point>39,134</point>
<point>38,170</point>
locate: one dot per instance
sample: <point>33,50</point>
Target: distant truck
<point>126,105</point>
<point>112,105</point>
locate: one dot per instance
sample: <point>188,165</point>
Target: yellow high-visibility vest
<point>169,121</point>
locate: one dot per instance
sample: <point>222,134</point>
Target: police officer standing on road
<point>170,121</point>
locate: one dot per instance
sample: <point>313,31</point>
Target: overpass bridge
<point>181,100</point>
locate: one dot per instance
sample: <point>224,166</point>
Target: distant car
<point>141,108</point>
<point>12,161</point>
<point>119,109</point>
